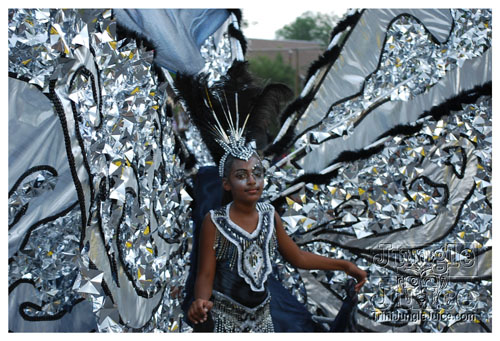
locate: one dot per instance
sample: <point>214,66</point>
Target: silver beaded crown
<point>233,140</point>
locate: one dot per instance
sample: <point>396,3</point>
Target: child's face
<point>246,180</point>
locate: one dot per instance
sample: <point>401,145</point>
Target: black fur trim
<point>327,58</point>
<point>436,112</point>
<point>455,103</point>
<point>261,103</point>
<point>185,156</point>
<point>237,34</point>
<point>320,63</point>
<point>297,105</point>
<point>330,56</point>
<point>402,129</point>
<point>362,154</point>
<point>281,145</point>
<point>346,156</point>
<point>315,178</point>
<point>123,33</point>
<point>349,21</point>
<point>289,137</point>
<point>237,12</point>
<point>268,104</point>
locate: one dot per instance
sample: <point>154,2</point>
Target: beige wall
<point>306,52</point>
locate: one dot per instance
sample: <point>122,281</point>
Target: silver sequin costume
<point>241,299</point>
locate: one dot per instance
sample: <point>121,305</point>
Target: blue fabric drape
<point>176,34</point>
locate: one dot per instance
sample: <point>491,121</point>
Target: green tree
<point>310,26</point>
<point>267,70</point>
<point>272,71</point>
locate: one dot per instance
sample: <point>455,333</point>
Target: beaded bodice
<point>251,253</point>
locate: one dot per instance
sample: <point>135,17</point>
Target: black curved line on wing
<point>30,171</point>
<point>32,305</point>
<point>45,221</point>
<point>290,132</point>
<point>27,80</point>
<point>84,71</point>
<point>359,251</point>
<point>19,215</point>
<point>330,56</point>
<point>436,112</point>
<point>71,158</point>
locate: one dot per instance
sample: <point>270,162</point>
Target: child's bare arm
<point>307,260</point>
<point>206,272</point>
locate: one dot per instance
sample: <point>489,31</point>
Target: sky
<point>265,17</point>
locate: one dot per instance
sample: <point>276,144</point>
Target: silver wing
<point>389,163</point>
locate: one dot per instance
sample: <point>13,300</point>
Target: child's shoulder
<point>221,211</point>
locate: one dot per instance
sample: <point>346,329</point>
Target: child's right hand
<point>199,309</point>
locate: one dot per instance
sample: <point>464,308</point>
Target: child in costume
<point>236,246</point>
<point>237,241</point>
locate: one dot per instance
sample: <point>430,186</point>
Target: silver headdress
<point>233,140</point>
<point>232,114</point>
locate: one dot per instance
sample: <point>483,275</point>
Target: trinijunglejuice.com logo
<point>424,285</point>
<point>417,316</point>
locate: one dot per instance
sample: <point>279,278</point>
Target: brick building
<point>299,54</point>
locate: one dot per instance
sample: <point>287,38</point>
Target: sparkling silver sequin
<point>139,202</point>
<point>390,192</point>
<point>218,56</point>
<point>129,147</point>
<point>32,186</point>
<point>49,259</point>
<point>410,64</point>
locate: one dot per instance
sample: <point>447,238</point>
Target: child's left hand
<point>358,274</point>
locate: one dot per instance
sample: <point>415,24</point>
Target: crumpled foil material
<point>437,179</point>
<point>32,186</point>
<point>218,56</point>
<point>196,146</point>
<point>138,207</point>
<point>217,51</point>
<point>49,260</point>
<point>136,242</point>
<point>411,62</point>
<point>363,201</point>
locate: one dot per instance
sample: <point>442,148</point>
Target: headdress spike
<point>233,139</point>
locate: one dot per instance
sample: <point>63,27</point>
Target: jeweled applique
<point>253,250</point>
